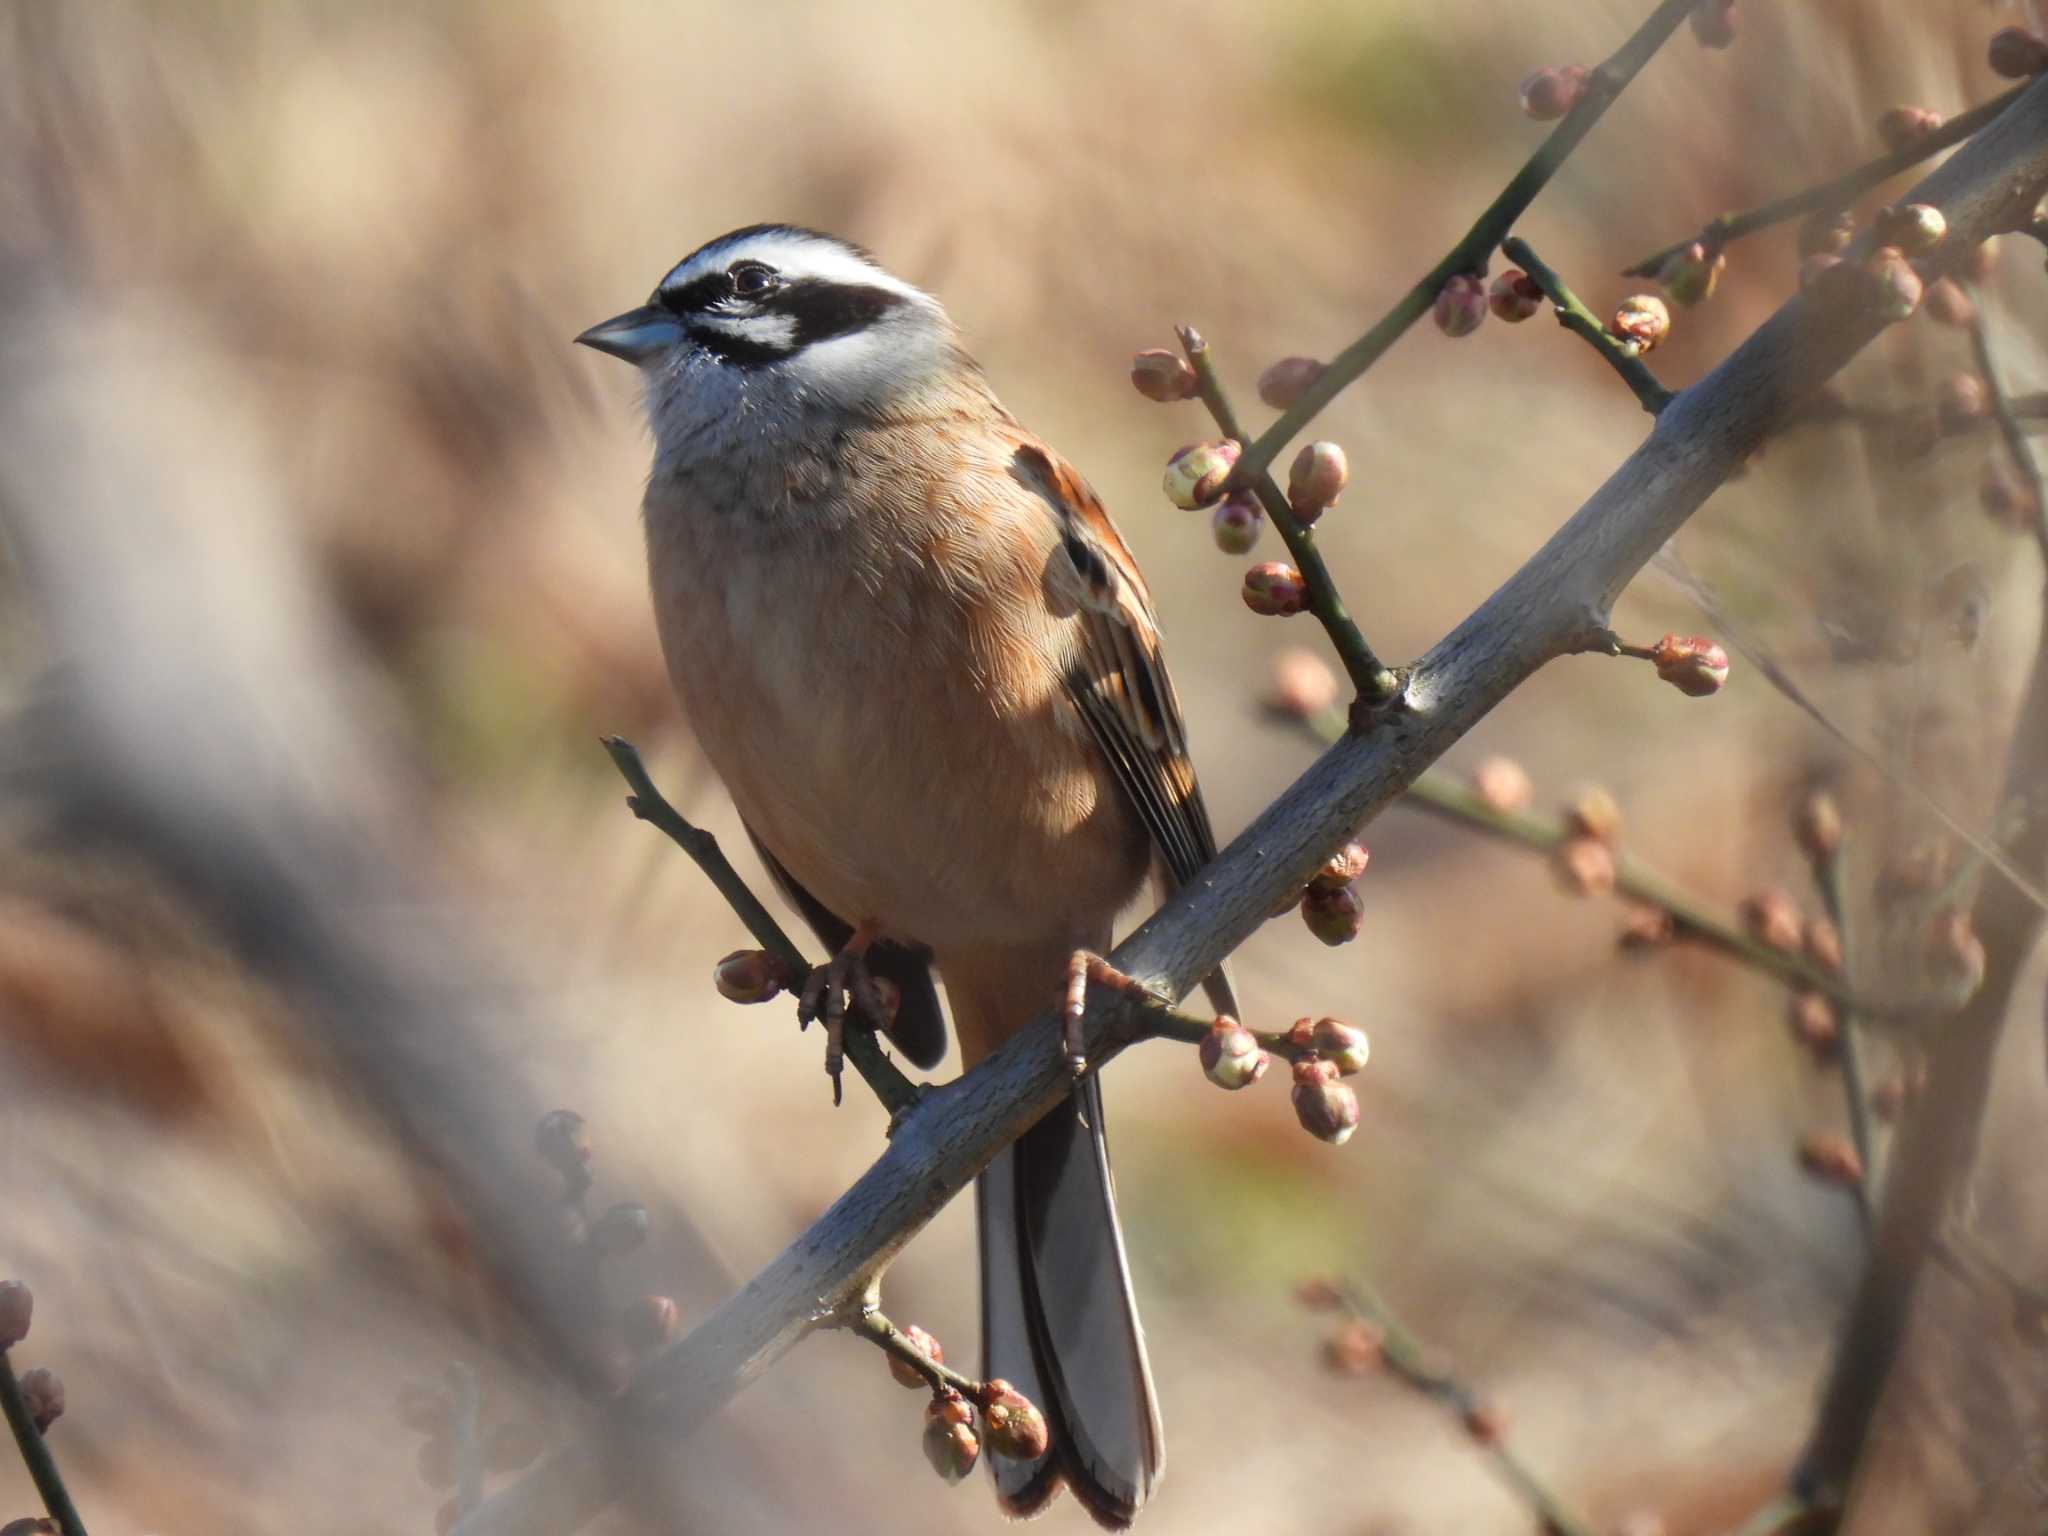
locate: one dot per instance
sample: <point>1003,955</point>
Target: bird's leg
<point>1084,966</point>
<point>827,989</point>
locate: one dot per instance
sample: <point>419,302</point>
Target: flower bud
<point>1514,296</point>
<point>1691,275</point>
<point>1815,1023</point>
<point>1552,91</point>
<point>747,976</point>
<point>1823,944</point>
<point>1319,1293</point>
<point>1355,1348</point>
<point>1945,303</point>
<point>1817,823</point>
<point>42,1391</point>
<point>1460,305</point>
<point>949,1441</point>
<point>1647,928</point>
<point>1281,385</point>
<point>649,1322</point>
<point>1236,522</point>
<point>1584,866</point>
<point>1195,475</point>
<point>514,1446</point>
<point>1341,1045</point>
<point>1641,320</point>
<point>1341,867</point>
<point>1303,685</point>
<point>1694,665</point>
<point>563,1141</point>
<point>1334,915</point>
<point>1015,1426</point>
<point>1504,785</point>
<point>1827,233</point>
<point>908,1374</point>
<point>1231,1055</point>
<point>1963,399</point>
<point>1275,590</point>
<point>2016,53</point>
<point>1831,1158</point>
<point>425,1409</point>
<point>1896,289</point>
<point>1915,228</point>
<point>1163,376</point>
<point>1955,955</point>
<point>621,1228</point>
<point>1902,126</point>
<point>1714,23</point>
<point>17,1305</point>
<point>1326,1108</point>
<point>2005,501</point>
<point>1316,480</point>
<point>1773,920</point>
<point>1485,1422</point>
<point>1594,812</point>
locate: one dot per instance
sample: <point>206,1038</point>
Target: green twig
<point>863,1046</point>
<point>1470,254</point>
<point>1573,315</point>
<point>1827,875</point>
<point>1839,193</point>
<point>1375,682</point>
<point>1410,1360</point>
<point>35,1453</point>
<point>894,1342</point>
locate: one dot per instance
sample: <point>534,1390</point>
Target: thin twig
<point>1470,254</point>
<point>1827,876</point>
<point>1839,193</point>
<point>863,1046</point>
<point>1375,682</point>
<point>35,1453</point>
<point>1573,315</point>
<point>2005,411</point>
<point>894,1342</point>
<point>1410,1360</point>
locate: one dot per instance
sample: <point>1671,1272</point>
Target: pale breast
<point>879,685</point>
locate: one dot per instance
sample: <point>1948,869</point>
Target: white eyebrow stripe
<point>796,258</point>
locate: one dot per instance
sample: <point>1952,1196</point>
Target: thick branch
<point>1555,603</point>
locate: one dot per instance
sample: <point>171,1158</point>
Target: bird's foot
<point>1085,966</point>
<point>827,991</point>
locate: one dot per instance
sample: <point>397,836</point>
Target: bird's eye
<point>750,279</point>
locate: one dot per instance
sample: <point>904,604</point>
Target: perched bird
<point>925,665</point>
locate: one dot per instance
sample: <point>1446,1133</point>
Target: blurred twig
<point>1573,315</point>
<point>35,1452</point>
<point>2006,412</point>
<point>1827,876</point>
<point>1838,193</point>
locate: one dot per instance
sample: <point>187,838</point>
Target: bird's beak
<point>638,335</point>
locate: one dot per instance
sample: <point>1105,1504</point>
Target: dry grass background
<point>341,248</point>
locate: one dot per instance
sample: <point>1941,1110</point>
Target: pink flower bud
<point>1326,1108</point>
<point>1584,866</point>
<point>1341,867</point>
<point>1915,228</point>
<point>1485,1422</point>
<point>1504,785</point>
<point>1275,590</point>
<point>17,1305</point>
<point>1714,23</point>
<point>1947,304</point>
<point>1691,275</point>
<point>1303,685</point>
<point>1514,296</point>
<point>1231,1055</point>
<point>1163,376</point>
<point>1831,1158</point>
<point>949,1441</point>
<point>1195,475</point>
<point>1642,320</point>
<point>1827,233</point>
<point>1773,920</point>
<point>42,1390</point>
<point>1817,824</point>
<point>650,1322</point>
<point>1338,1043</point>
<point>1355,1348</point>
<point>1015,1426</point>
<point>1895,288</point>
<point>1236,522</point>
<point>1823,943</point>
<point>1815,1024</point>
<point>621,1228</point>
<point>904,1371</point>
<point>2016,53</point>
<point>1460,305</point>
<point>1334,915</point>
<point>1594,812</point>
<point>1319,1293</point>
<point>1281,385</point>
<point>1902,126</point>
<point>1316,480</point>
<point>1552,91</point>
<point>1963,399</point>
<point>1647,928</point>
<point>1694,665</point>
<point>747,976</point>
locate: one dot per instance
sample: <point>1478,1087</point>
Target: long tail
<point>1058,1319</point>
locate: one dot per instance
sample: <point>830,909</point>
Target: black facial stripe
<point>741,351</point>
<point>823,309</point>
<point>695,296</point>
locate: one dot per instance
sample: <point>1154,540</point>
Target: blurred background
<point>322,576</point>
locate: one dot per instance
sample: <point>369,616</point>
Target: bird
<point>923,661</point>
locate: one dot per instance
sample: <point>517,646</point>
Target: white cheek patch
<point>776,331</point>
<point>865,366</point>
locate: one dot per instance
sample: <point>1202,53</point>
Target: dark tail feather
<point>1058,1320</point>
